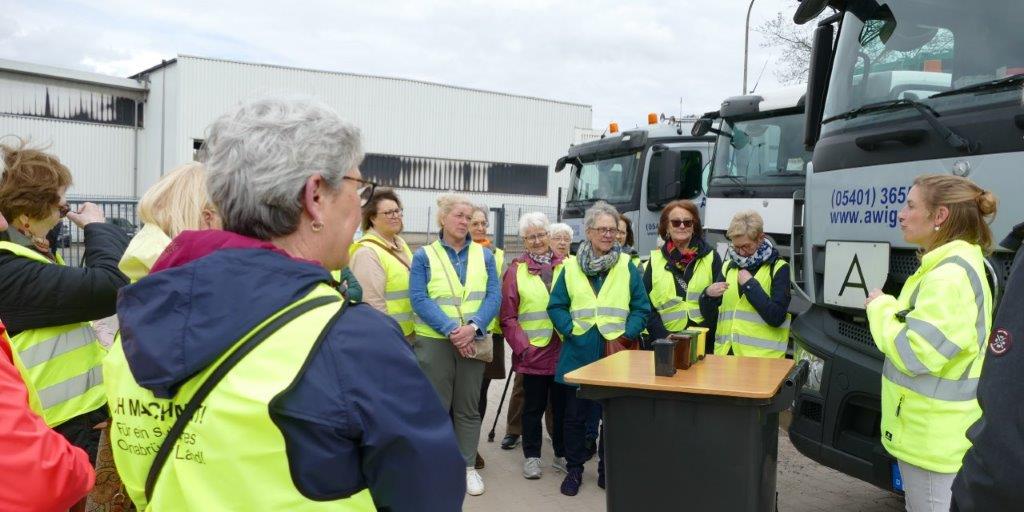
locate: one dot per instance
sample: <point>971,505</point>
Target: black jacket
<point>991,477</point>
<point>38,294</point>
<point>655,325</point>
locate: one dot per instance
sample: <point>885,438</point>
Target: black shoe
<point>509,442</point>
<point>479,462</point>
<point>572,482</point>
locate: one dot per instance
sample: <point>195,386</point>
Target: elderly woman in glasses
<point>753,297</point>
<point>46,305</point>
<point>561,238</point>
<point>298,398</point>
<point>381,259</point>
<point>599,306</point>
<point>535,345</point>
<point>679,271</point>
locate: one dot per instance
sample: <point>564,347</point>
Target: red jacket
<point>39,469</point>
<point>526,359</point>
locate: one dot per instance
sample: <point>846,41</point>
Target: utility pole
<point>746,46</point>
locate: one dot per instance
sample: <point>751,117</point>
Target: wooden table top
<point>743,377</point>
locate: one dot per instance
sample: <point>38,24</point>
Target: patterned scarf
<point>679,258</point>
<point>593,265</point>
<point>541,259</point>
<point>764,251</point>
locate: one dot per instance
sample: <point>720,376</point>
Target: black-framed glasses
<point>63,210</point>
<point>681,222</point>
<point>365,190</point>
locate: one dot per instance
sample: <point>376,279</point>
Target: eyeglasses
<point>392,214</point>
<point>564,239</point>
<point>535,238</point>
<point>606,231</point>
<point>681,222</point>
<point>364,191</point>
<point>63,210</point>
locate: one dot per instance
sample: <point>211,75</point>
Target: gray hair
<point>447,202</point>
<point>533,220</point>
<point>600,208</point>
<point>479,208</point>
<point>260,154</point>
<point>560,227</point>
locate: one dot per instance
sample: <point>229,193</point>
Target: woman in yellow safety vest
<point>495,369</point>
<point>561,238</point>
<point>626,240</point>
<point>246,382</point>
<point>455,294</point>
<point>679,271</point>
<point>381,259</point>
<point>535,345</point>
<point>48,306</point>
<point>599,306</point>
<point>933,336</point>
<point>753,297</point>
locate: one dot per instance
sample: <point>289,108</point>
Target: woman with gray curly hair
<point>599,306</point>
<point>262,386</point>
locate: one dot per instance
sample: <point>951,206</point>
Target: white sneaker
<point>559,464</point>
<point>531,468</point>
<point>474,484</point>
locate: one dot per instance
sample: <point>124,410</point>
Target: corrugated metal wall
<point>397,117</point>
<point>100,157</point>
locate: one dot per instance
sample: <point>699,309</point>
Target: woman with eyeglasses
<point>626,240</point>
<point>753,297</point>
<point>381,259</point>
<point>599,306</point>
<point>456,294</point>
<point>679,271</point>
<point>535,345</point>
<point>561,238</point>
<point>46,305</point>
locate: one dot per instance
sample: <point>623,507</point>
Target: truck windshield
<point>760,148</point>
<point>611,179</point>
<point>949,54</point>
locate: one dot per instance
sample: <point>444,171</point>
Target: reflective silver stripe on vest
<point>678,315</point>
<point>537,315</point>
<point>476,295</point>
<point>537,333</point>
<point>71,388</point>
<point>742,339</point>
<point>693,296</point>
<point>608,329</point>
<point>673,302</point>
<point>695,313</point>
<point>402,317</point>
<point>747,316</point>
<point>609,311</point>
<point>396,295</point>
<point>922,382</point>
<point>61,344</point>
<point>448,301</point>
<point>931,386</point>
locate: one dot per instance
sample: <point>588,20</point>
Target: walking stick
<point>490,435</point>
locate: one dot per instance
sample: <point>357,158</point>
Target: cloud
<point>623,58</point>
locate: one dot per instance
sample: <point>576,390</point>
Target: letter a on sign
<point>854,266</point>
<point>847,283</point>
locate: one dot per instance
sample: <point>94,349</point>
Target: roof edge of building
<point>71,75</point>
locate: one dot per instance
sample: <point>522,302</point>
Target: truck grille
<point>855,332</point>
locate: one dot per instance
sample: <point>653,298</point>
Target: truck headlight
<point>815,368</point>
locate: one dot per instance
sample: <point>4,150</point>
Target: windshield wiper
<point>929,114</point>
<point>991,85</point>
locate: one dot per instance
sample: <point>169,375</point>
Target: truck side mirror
<point>560,164</point>
<point>808,10</point>
<point>817,81</point>
<point>666,182</point>
<point>701,127</point>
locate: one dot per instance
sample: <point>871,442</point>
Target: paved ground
<point>803,485</point>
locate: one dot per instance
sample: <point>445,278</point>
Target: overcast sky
<point>625,58</point>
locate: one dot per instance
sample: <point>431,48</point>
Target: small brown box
<point>682,353</point>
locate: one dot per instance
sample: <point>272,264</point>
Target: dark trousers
<point>80,431</point>
<point>577,411</point>
<point>594,421</point>
<point>538,392</point>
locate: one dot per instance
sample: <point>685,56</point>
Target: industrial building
<point>119,135</point>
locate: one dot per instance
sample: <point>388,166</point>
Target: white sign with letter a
<point>852,270</point>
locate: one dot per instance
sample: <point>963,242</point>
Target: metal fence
<point>70,240</point>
